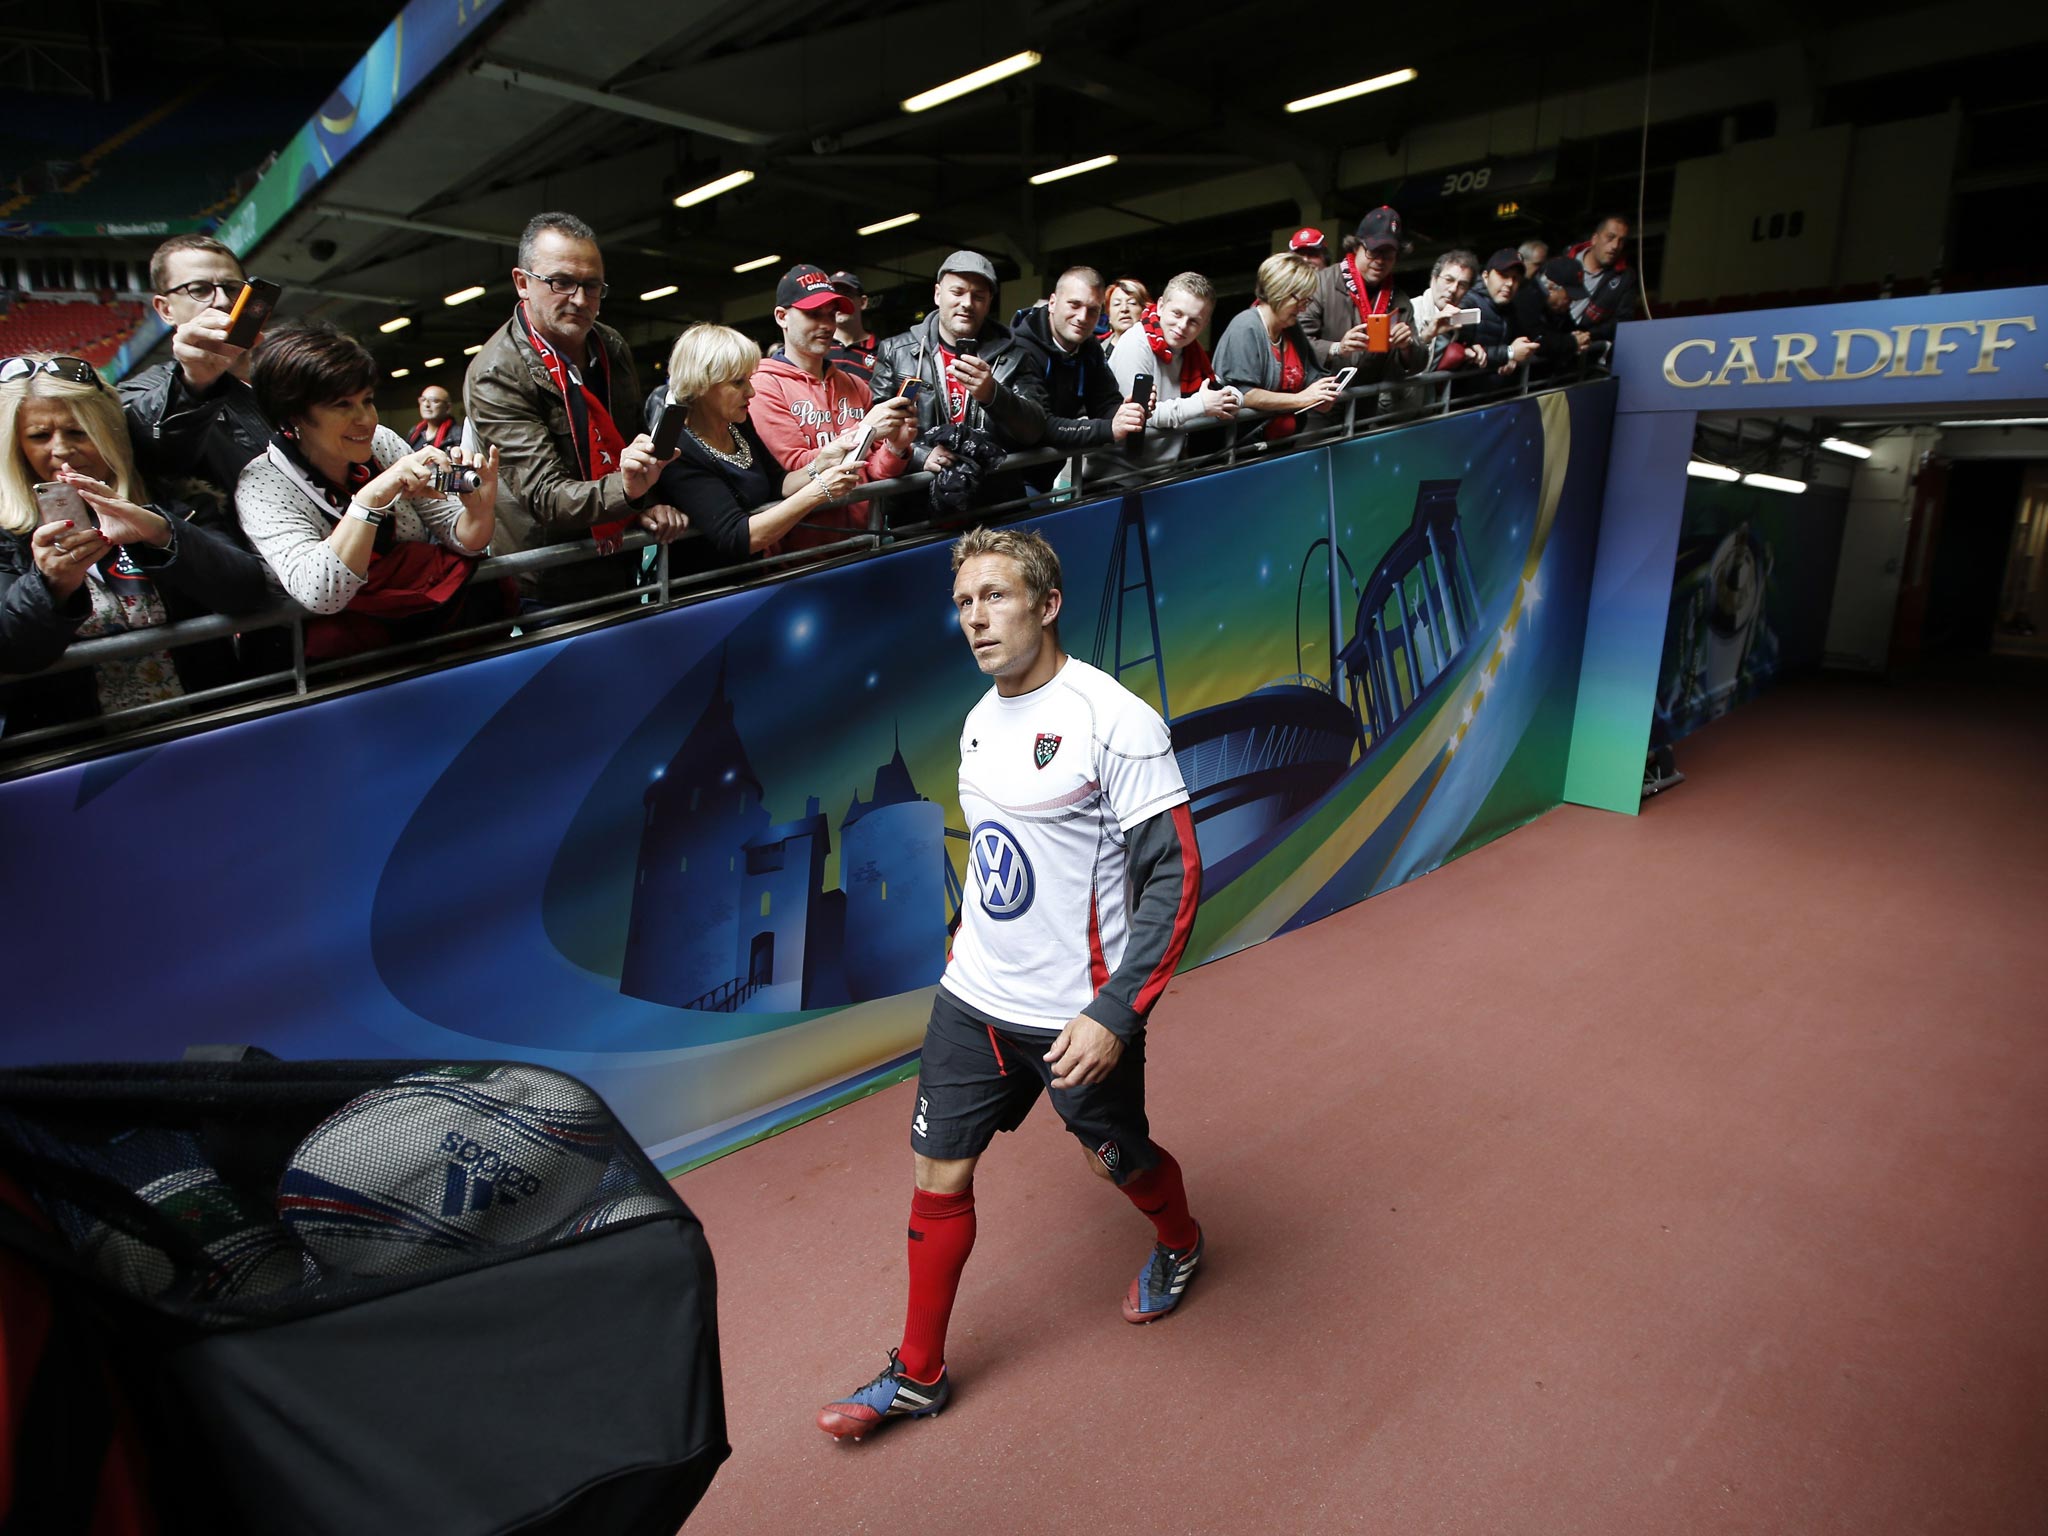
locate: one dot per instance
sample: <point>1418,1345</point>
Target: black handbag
<point>358,1296</point>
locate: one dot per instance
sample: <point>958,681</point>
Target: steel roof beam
<point>611,101</point>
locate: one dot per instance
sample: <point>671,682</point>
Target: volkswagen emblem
<point>1001,871</point>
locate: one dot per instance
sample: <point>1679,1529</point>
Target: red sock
<point>941,1237</point>
<point>1158,1192</point>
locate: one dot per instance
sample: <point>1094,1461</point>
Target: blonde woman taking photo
<point>739,502</point>
<point>118,562</point>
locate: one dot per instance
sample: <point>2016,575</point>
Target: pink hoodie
<point>796,414</point>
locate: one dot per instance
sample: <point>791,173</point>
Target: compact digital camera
<point>455,479</point>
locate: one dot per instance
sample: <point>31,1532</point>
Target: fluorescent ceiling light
<point>1078,168</point>
<point>1776,483</point>
<point>1843,445</point>
<point>711,189</point>
<point>898,222</point>
<point>464,295</point>
<point>395,323</point>
<point>757,263</point>
<point>657,293</point>
<point>433,362</point>
<point>1700,469</point>
<point>472,351</point>
<point>989,74</point>
<point>400,373</point>
<point>1346,92</point>
<point>1999,421</point>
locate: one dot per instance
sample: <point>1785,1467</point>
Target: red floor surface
<point>1686,1173</point>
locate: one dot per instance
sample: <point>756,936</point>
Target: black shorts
<point>978,1077</point>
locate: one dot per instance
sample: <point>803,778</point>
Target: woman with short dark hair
<point>1123,301</point>
<point>355,526</point>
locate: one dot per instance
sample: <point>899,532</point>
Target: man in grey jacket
<point>555,393</point>
<point>1359,318</point>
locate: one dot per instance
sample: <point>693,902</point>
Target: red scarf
<point>593,434</point>
<point>1293,374</point>
<point>956,392</point>
<point>433,432</point>
<point>1194,362</point>
<point>1355,286</point>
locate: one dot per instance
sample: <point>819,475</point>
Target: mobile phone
<point>1378,332</point>
<point>57,502</point>
<point>253,305</point>
<point>911,389</point>
<point>967,346</point>
<point>1141,389</point>
<point>1345,376</point>
<point>668,430</point>
<point>1462,317</point>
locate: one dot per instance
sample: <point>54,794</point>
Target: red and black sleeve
<point>1166,885</point>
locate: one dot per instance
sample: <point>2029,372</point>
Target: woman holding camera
<point>116,561</point>
<point>360,531</point>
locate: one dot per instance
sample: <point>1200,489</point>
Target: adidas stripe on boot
<point>891,1395</point>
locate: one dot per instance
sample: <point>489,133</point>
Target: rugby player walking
<point>1082,883</point>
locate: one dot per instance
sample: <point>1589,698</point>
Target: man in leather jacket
<point>991,384</point>
<point>193,420</point>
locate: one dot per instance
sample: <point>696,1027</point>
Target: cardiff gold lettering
<point>1794,348</point>
<point>1987,353</point>
<point>1845,340</point>
<point>1859,353</point>
<point>1930,360</point>
<point>1673,377</point>
<point>1902,351</point>
<point>1741,354</point>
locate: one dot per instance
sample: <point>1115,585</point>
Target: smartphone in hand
<point>252,309</point>
<point>1344,376</point>
<point>668,430</point>
<point>57,502</point>
<point>1378,332</point>
<point>1141,389</point>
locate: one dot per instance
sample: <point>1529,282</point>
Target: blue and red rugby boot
<point>891,1395</point>
<point>1162,1282</point>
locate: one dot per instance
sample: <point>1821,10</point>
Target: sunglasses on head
<point>75,369</point>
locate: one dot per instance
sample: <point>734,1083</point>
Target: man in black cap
<point>970,372</point>
<point>1497,346</point>
<point>1358,318</point>
<point>853,343</point>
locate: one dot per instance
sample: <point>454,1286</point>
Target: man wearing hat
<point>1358,318</point>
<point>802,402</point>
<point>853,344</point>
<point>1498,345</point>
<point>1311,246</point>
<point>973,371</point>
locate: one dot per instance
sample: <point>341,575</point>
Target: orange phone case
<point>1377,331</point>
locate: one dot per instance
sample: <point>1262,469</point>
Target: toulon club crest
<point>1043,749</point>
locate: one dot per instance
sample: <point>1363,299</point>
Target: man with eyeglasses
<point>553,391</point>
<point>437,428</point>
<point>194,420</point>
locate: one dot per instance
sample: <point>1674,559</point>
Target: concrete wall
<point>1873,551</point>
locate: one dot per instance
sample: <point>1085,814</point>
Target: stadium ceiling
<point>611,110</point>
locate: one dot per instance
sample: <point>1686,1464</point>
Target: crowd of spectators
<point>228,478</point>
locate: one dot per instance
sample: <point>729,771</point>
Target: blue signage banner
<point>1950,348</point>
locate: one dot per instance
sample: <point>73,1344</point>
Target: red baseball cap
<point>807,287</point>
<point>1310,239</point>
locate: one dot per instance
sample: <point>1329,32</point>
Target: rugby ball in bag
<point>609,1213</point>
<point>449,1161</point>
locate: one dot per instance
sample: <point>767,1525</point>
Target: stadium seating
<point>90,329</point>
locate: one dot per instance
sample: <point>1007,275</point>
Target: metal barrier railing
<point>660,588</point>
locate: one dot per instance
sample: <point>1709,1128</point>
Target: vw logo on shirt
<point>1001,871</point>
